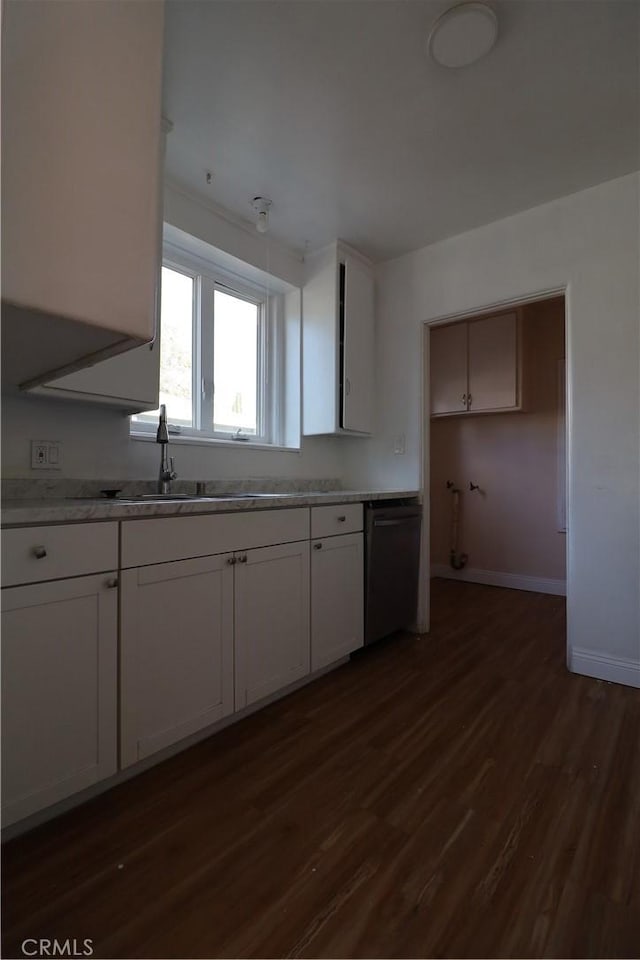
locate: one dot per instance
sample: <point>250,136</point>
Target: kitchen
<point>581,238</point>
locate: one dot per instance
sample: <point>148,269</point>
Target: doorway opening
<point>495,438</point>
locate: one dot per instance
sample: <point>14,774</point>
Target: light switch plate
<point>46,455</point>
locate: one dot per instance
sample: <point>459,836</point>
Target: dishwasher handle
<point>393,523</point>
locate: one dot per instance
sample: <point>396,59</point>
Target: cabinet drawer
<point>336,519</point>
<point>33,554</point>
<point>180,538</point>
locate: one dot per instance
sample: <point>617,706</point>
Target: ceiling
<point>333,109</point>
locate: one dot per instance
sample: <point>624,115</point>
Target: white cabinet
<point>195,629</point>
<point>176,652</point>
<point>338,342</point>
<point>59,690</point>
<point>81,157</point>
<point>475,366</point>
<point>271,620</point>
<point>337,598</point>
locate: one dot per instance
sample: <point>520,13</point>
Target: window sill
<point>215,442</point>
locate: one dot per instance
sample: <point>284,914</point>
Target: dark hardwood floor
<point>456,795</point>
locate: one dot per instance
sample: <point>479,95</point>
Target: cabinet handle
<point>231,561</point>
<point>347,385</point>
<point>341,519</point>
<point>469,399</point>
<point>39,552</point>
<point>464,399</point>
<point>242,559</point>
<point>112,583</point>
<point>317,546</point>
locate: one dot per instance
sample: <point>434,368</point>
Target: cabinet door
<point>176,652</point>
<point>271,620</point>
<point>493,363</point>
<point>59,690</point>
<point>358,351</point>
<point>81,87</point>
<point>448,369</point>
<point>337,598</point>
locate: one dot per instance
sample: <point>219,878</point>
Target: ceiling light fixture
<point>261,205</point>
<point>463,34</point>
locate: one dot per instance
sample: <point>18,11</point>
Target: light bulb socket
<point>261,206</point>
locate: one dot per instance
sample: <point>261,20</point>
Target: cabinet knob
<point>469,399</point>
<point>231,561</point>
<point>242,559</point>
<point>464,399</point>
<point>112,583</point>
<point>342,519</point>
<point>317,546</point>
<point>39,552</point>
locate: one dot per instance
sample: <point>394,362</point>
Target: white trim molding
<point>603,667</point>
<point>496,578</point>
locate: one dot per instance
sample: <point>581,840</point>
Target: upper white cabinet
<point>475,366</point>
<point>81,159</point>
<point>338,342</point>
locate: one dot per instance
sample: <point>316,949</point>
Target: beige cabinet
<point>176,652</point>
<point>59,690</point>
<point>338,342</point>
<point>81,167</point>
<point>271,620</point>
<point>475,366</point>
<point>337,598</point>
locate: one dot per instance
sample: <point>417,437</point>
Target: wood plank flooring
<point>456,795</point>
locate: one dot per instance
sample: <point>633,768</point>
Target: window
<point>222,345</point>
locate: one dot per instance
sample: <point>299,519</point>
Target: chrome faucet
<point>167,473</point>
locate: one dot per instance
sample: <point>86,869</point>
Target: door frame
<point>424,598</point>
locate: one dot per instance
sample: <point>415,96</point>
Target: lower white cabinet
<point>337,598</point>
<point>271,620</point>
<point>176,652</point>
<point>59,690</point>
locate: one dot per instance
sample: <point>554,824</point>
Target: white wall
<point>587,243</point>
<point>96,439</point>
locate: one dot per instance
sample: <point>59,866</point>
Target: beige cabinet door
<point>176,652</point>
<point>337,598</point>
<point>59,690</point>
<point>271,620</point>
<point>448,347</point>
<point>493,363</point>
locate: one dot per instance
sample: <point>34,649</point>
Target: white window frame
<point>208,277</point>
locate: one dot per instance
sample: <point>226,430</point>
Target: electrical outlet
<point>46,455</point>
<point>399,444</point>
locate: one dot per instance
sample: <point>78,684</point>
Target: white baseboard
<point>495,578</point>
<point>614,669</point>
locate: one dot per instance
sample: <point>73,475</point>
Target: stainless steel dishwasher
<point>392,561</point>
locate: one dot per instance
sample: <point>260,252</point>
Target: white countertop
<point>51,510</point>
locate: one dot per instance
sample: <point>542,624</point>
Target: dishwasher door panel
<point>392,566</point>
